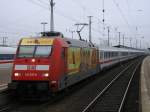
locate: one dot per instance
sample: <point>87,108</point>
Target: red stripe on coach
<point>3,62</point>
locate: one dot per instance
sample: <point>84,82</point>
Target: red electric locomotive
<point>52,63</point>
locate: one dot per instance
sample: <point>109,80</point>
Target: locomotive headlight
<point>33,60</point>
<point>46,75</point>
<point>16,74</point>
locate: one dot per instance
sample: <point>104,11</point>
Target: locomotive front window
<point>43,51</point>
<point>26,51</point>
<point>34,51</point>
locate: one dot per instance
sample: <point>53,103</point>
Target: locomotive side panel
<point>59,65</point>
<point>81,63</point>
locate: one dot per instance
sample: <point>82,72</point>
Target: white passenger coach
<point>109,56</point>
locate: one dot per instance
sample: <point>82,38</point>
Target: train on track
<point>52,63</point>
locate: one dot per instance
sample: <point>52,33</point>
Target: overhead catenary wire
<point>47,8</point>
<point>121,12</point>
<point>103,23</point>
<point>86,9</point>
<point>42,5</point>
<point>66,17</point>
<point>128,5</point>
<point>37,3</point>
<point>43,2</point>
<point>45,5</point>
<point>59,12</point>
<point>123,16</point>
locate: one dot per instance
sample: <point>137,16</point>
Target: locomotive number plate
<point>30,74</point>
<point>31,67</point>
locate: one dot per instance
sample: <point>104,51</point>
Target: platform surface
<point>145,85</point>
<point>5,75</point>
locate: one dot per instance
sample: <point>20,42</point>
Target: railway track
<point>112,97</point>
<point>6,101</point>
<point>8,107</point>
<point>3,86</point>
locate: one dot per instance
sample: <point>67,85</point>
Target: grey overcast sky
<point>22,18</point>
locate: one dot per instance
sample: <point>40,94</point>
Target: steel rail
<point>4,108</point>
<point>128,86</point>
<point>104,90</point>
<point>3,87</point>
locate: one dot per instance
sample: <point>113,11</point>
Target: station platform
<point>145,85</point>
<point>5,74</point>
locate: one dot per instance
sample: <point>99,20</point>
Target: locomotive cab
<point>36,62</point>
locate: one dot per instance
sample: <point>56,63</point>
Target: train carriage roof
<point>71,42</point>
<point>114,49</point>
<point>78,43</point>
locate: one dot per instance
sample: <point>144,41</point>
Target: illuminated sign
<point>39,41</point>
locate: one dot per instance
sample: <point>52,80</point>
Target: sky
<point>22,18</point>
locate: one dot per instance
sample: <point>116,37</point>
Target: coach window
<point>121,53</point>
<point>104,55</point>
<point>111,54</point>
<point>107,54</point>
